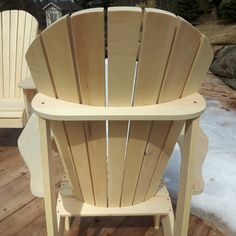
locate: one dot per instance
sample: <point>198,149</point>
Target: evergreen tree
<point>227,10</point>
<point>188,9</point>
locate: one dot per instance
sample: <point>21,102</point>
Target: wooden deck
<point>23,214</point>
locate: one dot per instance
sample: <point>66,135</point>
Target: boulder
<point>224,65</point>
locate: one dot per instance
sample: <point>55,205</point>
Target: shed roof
<point>64,6</point>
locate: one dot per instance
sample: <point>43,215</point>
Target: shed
<point>55,10</point>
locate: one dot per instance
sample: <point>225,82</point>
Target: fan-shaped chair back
<point>152,57</point>
<point>17,31</point>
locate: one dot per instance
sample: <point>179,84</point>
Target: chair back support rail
<point>125,58</point>
<point>17,30</point>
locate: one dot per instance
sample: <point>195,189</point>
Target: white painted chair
<point>17,30</point>
<point>115,137</point>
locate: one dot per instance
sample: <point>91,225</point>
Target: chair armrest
<point>27,84</point>
<point>181,109</point>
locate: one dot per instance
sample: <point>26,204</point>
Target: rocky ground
<point>214,88</point>
<point>220,34</point>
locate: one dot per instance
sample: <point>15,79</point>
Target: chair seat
<point>12,113</point>
<point>68,205</point>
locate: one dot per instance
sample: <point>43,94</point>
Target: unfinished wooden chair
<point>115,136</point>
<point>17,31</point>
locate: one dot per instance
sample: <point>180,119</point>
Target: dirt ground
<point>214,88</point>
<point>218,32</point>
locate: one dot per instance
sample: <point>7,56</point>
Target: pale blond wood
<point>96,139</point>
<point>13,40</point>
<point>64,74</point>
<point>123,36</point>
<point>39,69</point>
<point>27,83</point>
<point>88,34</point>
<point>167,148</point>
<point>200,152</point>
<point>33,33</point>
<point>48,178</point>
<point>138,151</point>
<point>87,28</point>
<point>1,60</point>
<point>180,109</point>
<point>61,224</point>
<point>5,52</point>
<point>151,157</point>
<point>28,97</point>
<point>157,220</point>
<point>19,49</point>
<point>27,38</point>
<point>68,205</point>
<point>12,54</point>
<point>187,38</point>
<point>168,223</point>
<point>199,68</point>
<point>67,223</point>
<point>77,141</point>
<point>62,142</point>
<point>139,131</point>
<point>157,36</point>
<point>13,123</point>
<point>185,184</point>
<point>116,159</point>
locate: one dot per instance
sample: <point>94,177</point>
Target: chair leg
<point>157,219</point>
<point>61,224</point>
<point>67,223</point>
<point>48,180</point>
<point>199,157</point>
<point>168,224</point>
<point>186,182</point>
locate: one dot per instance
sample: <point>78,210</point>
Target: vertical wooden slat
<point>199,68</point>
<point>167,148</point>
<point>79,149</point>
<point>13,44</point>
<point>177,73</point>
<point>157,36</point>
<point>61,61</point>
<point>88,33</point>
<point>41,73</point>
<point>151,155</point>
<point>27,38</point>
<point>6,52</point>
<point>123,34</point>
<point>138,136</point>
<point>61,137</point>
<point>87,28</point>
<point>1,59</point>
<point>19,49</point>
<point>184,49</point>
<point>63,70</point>
<point>96,139</point>
<point>33,33</point>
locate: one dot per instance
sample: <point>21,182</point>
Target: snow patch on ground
<point>217,203</point>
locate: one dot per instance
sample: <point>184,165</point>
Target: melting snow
<point>217,203</point>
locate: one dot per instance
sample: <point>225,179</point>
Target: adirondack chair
<point>115,135</point>
<point>17,31</point>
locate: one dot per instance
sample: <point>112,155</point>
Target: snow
<point>217,203</point>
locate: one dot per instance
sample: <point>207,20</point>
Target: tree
<point>188,9</point>
<point>227,10</point>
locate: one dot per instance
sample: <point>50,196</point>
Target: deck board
<point>22,214</point>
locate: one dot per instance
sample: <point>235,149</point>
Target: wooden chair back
<point>17,31</point>
<point>152,57</point>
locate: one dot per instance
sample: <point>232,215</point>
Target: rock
<point>224,65</point>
